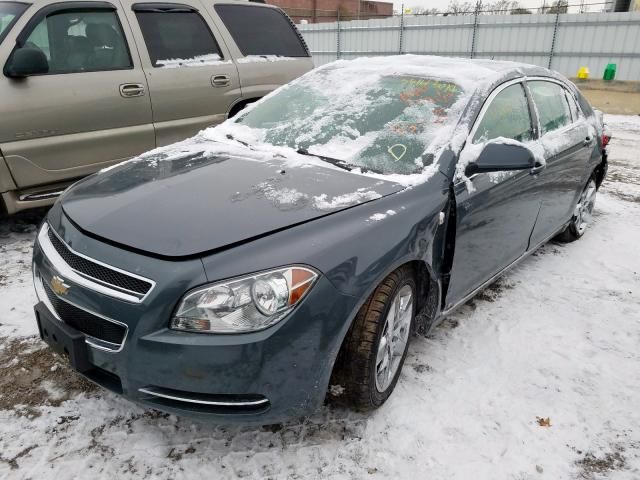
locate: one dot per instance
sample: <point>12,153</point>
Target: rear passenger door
<point>567,142</point>
<point>192,79</point>
<point>92,107</point>
<point>270,51</point>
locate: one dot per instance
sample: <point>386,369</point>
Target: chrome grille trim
<point>217,403</point>
<point>85,280</point>
<point>38,283</point>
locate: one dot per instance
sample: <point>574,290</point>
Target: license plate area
<point>63,339</point>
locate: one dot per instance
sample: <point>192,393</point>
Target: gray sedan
<point>237,275</point>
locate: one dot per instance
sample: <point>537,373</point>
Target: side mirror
<point>26,61</point>
<point>499,157</point>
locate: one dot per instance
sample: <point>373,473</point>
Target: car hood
<point>196,203</point>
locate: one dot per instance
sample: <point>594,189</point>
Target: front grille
<point>97,271</point>
<point>86,322</point>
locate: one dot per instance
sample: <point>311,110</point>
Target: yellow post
<point>583,72</point>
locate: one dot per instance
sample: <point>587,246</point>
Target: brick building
<point>315,11</point>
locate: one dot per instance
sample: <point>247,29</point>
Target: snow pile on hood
<point>376,217</point>
<point>322,202</point>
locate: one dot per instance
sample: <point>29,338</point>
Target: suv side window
<point>81,41</point>
<point>507,116</point>
<point>176,37</point>
<point>262,31</point>
<point>551,102</point>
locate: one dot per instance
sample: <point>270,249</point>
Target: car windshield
<point>384,123</point>
<point>9,13</point>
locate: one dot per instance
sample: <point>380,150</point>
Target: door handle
<point>588,140</point>
<point>128,90</point>
<point>220,80</point>
<point>537,168</point>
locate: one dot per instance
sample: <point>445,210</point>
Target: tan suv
<point>89,83</point>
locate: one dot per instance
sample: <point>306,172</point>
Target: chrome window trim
<point>97,343</point>
<point>485,106</point>
<point>86,280</point>
<point>581,115</point>
<point>489,101</point>
<point>203,402</point>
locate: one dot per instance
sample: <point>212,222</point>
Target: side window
<point>82,41</point>
<point>551,102</point>
<point>176,38</point>
<point>573,106</point>
<point>262,31</point>
<point>507,116</point>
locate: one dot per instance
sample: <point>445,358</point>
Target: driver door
<point>496,211</point>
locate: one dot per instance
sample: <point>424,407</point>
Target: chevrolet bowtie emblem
<point>58,286</point>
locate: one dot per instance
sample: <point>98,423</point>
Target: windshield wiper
<point>231,137</point>
<point>333,161</point>
<point>337,162</point>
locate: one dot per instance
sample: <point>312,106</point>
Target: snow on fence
<point>563,42</point>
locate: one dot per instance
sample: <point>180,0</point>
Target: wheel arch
<point>428,296</point>
<point>240,105</point>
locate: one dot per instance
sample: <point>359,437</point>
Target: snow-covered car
<point>239,274</point>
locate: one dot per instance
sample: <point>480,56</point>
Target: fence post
<point>338,37</point>
<point>553,39</point>
<point>475,28</point>
<point>401,26</point>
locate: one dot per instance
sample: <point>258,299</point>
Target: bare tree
<point>521,11</point>
<point>502,7</point>
<point>424,11</point>
<point>559,6</point>
<point>457,7</point>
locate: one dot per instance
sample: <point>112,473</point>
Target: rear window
<point>177,38</point>
<point>9,13</point>
<point>262,31</point>
<point>551,101</point>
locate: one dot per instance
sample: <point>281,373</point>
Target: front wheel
<point>376,345</point>
<point>582,215</point>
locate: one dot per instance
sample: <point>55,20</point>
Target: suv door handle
<point>220,80</point>
<point>588,140</point>
<point>128,90</point>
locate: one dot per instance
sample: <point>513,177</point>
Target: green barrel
<point>610,72</point>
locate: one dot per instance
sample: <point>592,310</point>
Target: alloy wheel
<point>395,335</point>
<point>584,208</point>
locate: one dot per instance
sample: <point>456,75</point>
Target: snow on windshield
<point>388,117</point>
<point>391,146</point>
<point>379,119</point>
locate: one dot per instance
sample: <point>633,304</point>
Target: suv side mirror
<point>26,61</point>
<point>499,157</point>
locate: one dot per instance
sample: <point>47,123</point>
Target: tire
<point>582,215</point>
<point>359,367</point>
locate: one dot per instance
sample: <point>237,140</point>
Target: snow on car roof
<point>470,74</point>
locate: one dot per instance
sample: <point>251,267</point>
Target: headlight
<point>244,304</point>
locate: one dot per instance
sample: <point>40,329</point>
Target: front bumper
<point>262,377</point>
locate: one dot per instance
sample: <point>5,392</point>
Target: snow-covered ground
<point>557,338</point>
